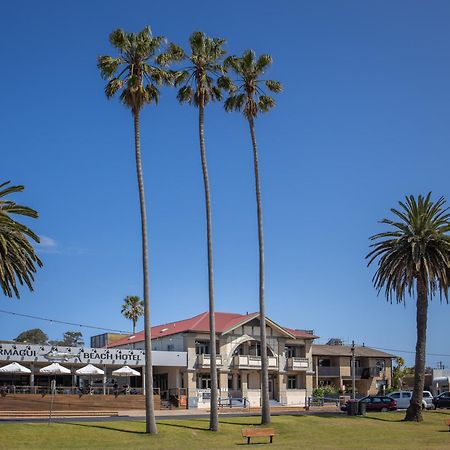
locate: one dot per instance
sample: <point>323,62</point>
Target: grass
<point>375,431</point>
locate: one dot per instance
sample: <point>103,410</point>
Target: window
<point>396,395</point>
<point>376,400</point>
<point>202,347</point>
<point>289,351</point>
<point>406,394</point>
<point>170,347</point>
<point>203,381</point>
<point>325,362</point>
<point>292,382</point>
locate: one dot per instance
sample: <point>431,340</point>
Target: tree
<point>201,82</point>
<point>18,260</point>
<point>137,73</point>
<point>70,339</point>
<point>250,99</point>
<point>414,259</point>
<point>132,309</point>
<point>33,336</point>
<point>400,372</point>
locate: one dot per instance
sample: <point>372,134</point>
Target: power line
<point>406,351</point>
<point>63,322</point>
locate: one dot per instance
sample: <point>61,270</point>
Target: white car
<point>403,399</point>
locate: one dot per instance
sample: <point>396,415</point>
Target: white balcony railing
<point>249,361</point>
<point>296,363</point>
<point>204,360</point>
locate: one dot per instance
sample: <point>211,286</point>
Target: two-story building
<point>238,358</point>
<point>332,366</point>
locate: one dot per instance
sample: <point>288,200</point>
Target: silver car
<point>403,399</point>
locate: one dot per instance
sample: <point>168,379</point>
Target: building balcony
<point>296,363</point>
<point>253,362</point>
<point>204,360</point>
<point>328,372</point>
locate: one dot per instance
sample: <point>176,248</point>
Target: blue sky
<point>363,120</point>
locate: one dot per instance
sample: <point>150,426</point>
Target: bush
<point>325,391</point>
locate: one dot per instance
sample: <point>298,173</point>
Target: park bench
<point>258,432</point>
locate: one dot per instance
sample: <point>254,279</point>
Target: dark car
<point>442,400</point>
<point>376,403</point>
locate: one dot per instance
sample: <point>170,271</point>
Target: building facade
<point>332,366</point>
<point>238,359</point>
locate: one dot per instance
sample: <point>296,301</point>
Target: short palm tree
<point>201,82</point>
<point>137,73</point>
<point>133,309</point>
<point>248,97</point>
<point>18,260</point>
<point>414,258</point>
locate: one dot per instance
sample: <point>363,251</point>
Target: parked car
<point>403,399</point>
<point>376,403</point>
<point>442,400</point>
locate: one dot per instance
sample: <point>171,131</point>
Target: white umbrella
<point>126,371</point>
<point>89,370</point>
<point>55,369</point>
<point>14,368</point>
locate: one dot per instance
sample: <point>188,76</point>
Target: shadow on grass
<point>103,427</point>
<point>382,420</point>
<point>179,425</point>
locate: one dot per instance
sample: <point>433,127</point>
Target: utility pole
<point>353,371</point>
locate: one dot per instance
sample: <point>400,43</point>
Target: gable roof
<point>346,350</point>
<point>225,322</point>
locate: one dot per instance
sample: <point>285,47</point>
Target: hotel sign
<point>76,355</point>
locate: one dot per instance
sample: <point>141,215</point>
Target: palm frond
<point>418,247</point>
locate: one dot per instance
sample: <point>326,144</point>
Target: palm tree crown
<point>18,259</point>
<point>138,70</point>
<point>203,79</point>
<point>132,309</point>
<point>247,95</point>
<point>418,247</point>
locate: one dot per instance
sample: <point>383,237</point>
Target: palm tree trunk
<point>150,421</point>
<point>265,406</point>
<point>414,411</point>
<point>214,417</point>
<point>134,326</point>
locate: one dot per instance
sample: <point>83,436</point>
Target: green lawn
<point>376,431</point>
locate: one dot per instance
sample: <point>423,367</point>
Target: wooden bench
<point>258,432</point>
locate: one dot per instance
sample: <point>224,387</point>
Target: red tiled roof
<point>200,323</point>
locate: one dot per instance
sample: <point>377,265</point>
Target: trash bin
<point>352,407</point>
<point>362,408</point>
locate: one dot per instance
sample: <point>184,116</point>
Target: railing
<point>253,361</point>
<point>73,390</point>
<point>328,371</point>
<point>296,363</point>
<point>368,372</point>
<point>204,360</point>
<point>231,402</point>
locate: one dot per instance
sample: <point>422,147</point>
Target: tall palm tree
<point>248,97</point>
<point>414,258</point>
<point>18,260</point>
<point>201,82</point>
<point>136,73</point>
<point>132,309</point>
